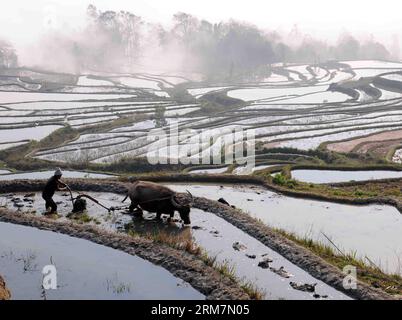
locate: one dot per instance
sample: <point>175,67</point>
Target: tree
<point>159,117</point>
<point>374,50</point>
<point>8,56</point>
<point>348,48</point>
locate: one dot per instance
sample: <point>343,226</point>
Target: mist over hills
<point>121,41</point>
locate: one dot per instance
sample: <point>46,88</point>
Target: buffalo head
<point>182,204</point>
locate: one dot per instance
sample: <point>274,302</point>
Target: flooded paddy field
<point>250,259</point>
<point>247,256</point>
<point>334,176</point>
<point>85,270</point>
<point>299,113</point>
<point>34,204</point>
<point>349,227</point>
<point>7,175</point>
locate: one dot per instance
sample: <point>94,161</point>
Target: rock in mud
<point>29,195</point>
<point>238,246</point>
<point>221,200</point>
<point>303,286</point>
<point>265,263</point>
<point>251,256</point>
<point>18,204</point>
<point>281,272</point>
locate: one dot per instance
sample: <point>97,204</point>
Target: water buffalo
<point>153,197</point>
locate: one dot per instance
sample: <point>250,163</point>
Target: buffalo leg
<point>135,209</point>
<point>138,212</point>
<point>133,205</point>
<point>171,215</point>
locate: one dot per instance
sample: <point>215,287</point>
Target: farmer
<point>53,184</point>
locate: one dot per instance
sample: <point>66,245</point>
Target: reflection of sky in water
<point>217,237</point>
<point>332,176</point>
<point>85,270</point>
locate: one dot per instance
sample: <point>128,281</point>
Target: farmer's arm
<point>61,185</point>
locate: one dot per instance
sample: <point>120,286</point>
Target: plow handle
<point>94,200</point>
<point>71,194</point>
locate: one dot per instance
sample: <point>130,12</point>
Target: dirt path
<point>4,292</point>
<point>349,145</point>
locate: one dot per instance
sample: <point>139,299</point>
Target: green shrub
<point>279,179</point>
<point>359,193</point>
<point>282,180</point>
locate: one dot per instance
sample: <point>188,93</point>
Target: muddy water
<point>34,204</point>
<point>333,176</point>
<point>373,231</point>
<point>84,270</point>
<point>48,174</point>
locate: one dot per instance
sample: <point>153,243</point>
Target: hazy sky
<point>24,20</point>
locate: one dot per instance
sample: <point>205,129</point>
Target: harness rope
<point>111,208</point>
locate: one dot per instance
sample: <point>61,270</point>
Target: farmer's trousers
<point>50,204</point>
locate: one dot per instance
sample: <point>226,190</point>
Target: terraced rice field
<point>302,110</point>
<point>350,106</point>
